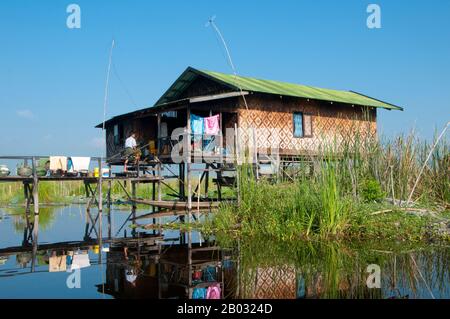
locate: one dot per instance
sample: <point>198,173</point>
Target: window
<point>118,134</point>
<point>302,124</point>
<point>298,124</point>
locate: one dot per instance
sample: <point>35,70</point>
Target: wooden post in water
<point>188,173</point>
<point>26,190</point>
<point>255,151</point>
<point>35,187</point>
<point>100,208</point>
<point>109,188</point>
<point>35,241</point>
<point>236,154</point>
<point>190,290</point>
<point>154,198</point>
<point>159,153</point>
<point>206,181</point>
<point>134,207</point>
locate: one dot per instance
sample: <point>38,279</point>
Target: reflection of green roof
<point>272,87</point>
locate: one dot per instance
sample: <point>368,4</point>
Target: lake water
<point>66,261</point>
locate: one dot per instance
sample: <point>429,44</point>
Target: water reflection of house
<point>3,260</point>
<point>276,282</point>
<point>163,272</point>
<point>130,278</point>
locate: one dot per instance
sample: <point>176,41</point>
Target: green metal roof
<point>273,87</point>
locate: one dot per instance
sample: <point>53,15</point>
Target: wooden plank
<point>150,240</point>
<point>92,180</point>
<point>175,205</point>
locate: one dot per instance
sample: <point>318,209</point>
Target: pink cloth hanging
<point>213,292</point>
<point>212,125</point>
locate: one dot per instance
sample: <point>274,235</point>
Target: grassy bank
<point>347,196</point>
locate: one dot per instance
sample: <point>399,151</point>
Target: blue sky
<point>52,78</point>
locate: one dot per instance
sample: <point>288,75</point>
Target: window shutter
<point>307,125</point>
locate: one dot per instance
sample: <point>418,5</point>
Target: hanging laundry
<point>199,293</point>
<point>212,125</point>
<point>80,261</point>
<point>58,163</point>
<point>197,275</point>
<point>209,273</point>
<point>57,263</point>
<point>197,124</point>
<point>81,163</point>
<point>130,275</point>
<point>69,165</point>
<point>213,292</point>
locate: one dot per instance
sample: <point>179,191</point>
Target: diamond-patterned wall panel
<point>270,118</point>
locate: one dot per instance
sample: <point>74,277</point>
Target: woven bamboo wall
<point>332,124</point>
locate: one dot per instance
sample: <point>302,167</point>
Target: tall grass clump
<point>287,210</point>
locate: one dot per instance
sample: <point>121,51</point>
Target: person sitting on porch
<point>132,152</point>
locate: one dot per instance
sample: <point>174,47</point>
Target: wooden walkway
<point>176,205</point>
<point>168,213</point>
<point>144,179</point>
<point>72,245</point>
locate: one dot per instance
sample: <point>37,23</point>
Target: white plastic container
<point>105,172</point>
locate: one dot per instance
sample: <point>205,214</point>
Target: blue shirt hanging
<point>197,125</point>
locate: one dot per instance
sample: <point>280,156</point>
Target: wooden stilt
<point>134,207</point>
<point>35,241</point>
<point>237,159</point>
<point>159,152</point>
<point>206,181</point>
<point>109,195</point>
<point>188,165</point>
<point>154,198</point>
<point>35,188</point>
<point>159,181</point>
<point>181,181</point>
<point>133,193</point>
<point>100,208</point>
<point>190,270</point>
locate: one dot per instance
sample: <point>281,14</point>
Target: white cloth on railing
<point>80,261</point>
<point>81,163</point>
<point>58,163</point>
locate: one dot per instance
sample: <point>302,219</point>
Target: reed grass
<point>336,201</point>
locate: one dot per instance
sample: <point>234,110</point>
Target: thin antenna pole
<point>105,100</point>
<point>100,181</point>
<point>230,61</point>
